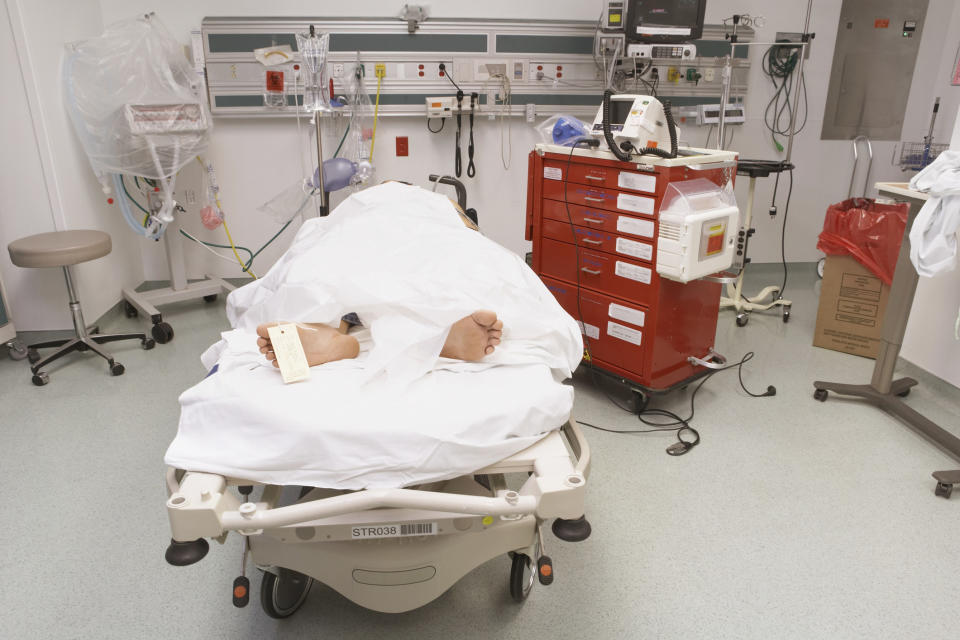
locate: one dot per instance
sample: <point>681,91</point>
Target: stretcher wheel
<point>742,319</point>
<point>522,577</point>
<point>162,332</point>
<point>820,394</point>
<point>281,594</point>
<point>944,489</point>
<point>210,298</point>
<point>40,379</point>
<point>16,350</point>
<point>129,310</point>
<point>116,369</point>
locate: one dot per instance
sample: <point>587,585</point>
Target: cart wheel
<point>742,319</point>
<point>820,264</point>
<point>820,394</point>
<point>943,489</point>
<point>40,379</point>
<point>210,298</point>
<point>162,332</point>
<point>522,576</point>
<point>129,310</point>
<point>33,356</point>
<point>904,393</point>
<point>17,350</point>
<point>116,369</point>
<point>148,343</point>
<point>282,594</point>
<point>786,314</point>
<point>640,402</point>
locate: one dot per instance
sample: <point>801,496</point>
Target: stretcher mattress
<point>399,414</point>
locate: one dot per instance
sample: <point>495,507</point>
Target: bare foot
<point>473,337</point>
<point>320,344</point>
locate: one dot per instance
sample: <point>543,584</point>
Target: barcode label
<point>394,530</point>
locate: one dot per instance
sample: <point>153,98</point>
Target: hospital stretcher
<point>390,550</point>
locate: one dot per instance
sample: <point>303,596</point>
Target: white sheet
<point>398,415</point>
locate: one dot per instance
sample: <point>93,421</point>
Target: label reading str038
<point>394,530</point>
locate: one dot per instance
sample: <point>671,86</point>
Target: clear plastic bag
<point>135,101</point>
<point>562,129</point>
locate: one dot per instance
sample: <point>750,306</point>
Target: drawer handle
<point>593,220</point>
<point>591,241</point>
<point>593,272</point>
<point>589,199</point>
<point>597,178</point>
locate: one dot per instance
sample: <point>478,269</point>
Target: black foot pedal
<point>571,530</point>
<point>545,570</point>
<point>241,591</point>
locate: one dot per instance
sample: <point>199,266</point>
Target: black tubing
<point>625,155</point>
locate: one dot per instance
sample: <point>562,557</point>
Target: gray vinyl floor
<point>792,519</point>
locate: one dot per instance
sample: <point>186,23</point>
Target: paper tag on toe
<point>289,351</point>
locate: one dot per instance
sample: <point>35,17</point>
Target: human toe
<point>484,318</point>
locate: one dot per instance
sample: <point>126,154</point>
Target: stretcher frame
<point>476,518</point>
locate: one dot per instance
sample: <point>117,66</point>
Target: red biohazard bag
<point>866,230</point>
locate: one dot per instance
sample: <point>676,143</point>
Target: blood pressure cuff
<point>868,231</point>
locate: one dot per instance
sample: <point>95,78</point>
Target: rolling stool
<point>65,249</point>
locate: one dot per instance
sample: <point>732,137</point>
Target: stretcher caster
<point>281,594</point>
<point>943,490</point>
<point>148,343</point>
<point>182,554</point>
<point>742,319</point>
<point>820,394</point>
<point>162,332</point>
<point>116,369</point>
<point>210,298</point>
<point>945,481</point>
<point>16,350</point>
<point>129,310</point>
<point>40,379</point>
<point>571,530</point>
<point>521,577</point>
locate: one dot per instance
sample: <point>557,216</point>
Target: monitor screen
<point>674,21</point>
<point>619,110</point>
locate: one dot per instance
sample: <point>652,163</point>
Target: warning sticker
<point>637,181</point>
<point>589,330</point>
<point>274,80</point>
<point>624,333</point>
<point>633,272</point>
<point>552,173</point>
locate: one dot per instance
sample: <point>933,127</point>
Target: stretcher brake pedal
<point>571,530</point>
<point>545,570</point>
<point>182,554</point>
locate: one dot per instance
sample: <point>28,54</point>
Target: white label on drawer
<point>637,181</point>
<point>624,333</point>
<point>640,204</point>
<point>552,173</point>
<point>626,314</point>
<point>633,248</point>
<point>591,330</point>
<point>635,227</point>
<point>633,272</point>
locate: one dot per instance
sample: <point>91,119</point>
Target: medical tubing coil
<point>652,151</point>
<point>607,134</point>
<point>128,215</point>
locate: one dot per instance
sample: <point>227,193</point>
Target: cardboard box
<point>853,302</point>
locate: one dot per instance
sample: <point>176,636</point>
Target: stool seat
<point>59,248</point>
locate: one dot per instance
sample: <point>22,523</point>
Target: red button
<point>539,67</point>
<point>441,74</point>
<point>421,74</point>
<point>559,75</point>
<point>559,67</point>
<point>420,66</point>
<point>296,67</point>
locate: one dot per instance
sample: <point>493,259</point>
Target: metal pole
<point>725,76</point>
<point>324,196</point>
<point>799,81</point>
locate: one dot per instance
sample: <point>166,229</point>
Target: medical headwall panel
<point>876,50</point>
<point>549,64</point>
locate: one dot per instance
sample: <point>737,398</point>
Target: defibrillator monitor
<point>664,21</point>
<point>636,119</point>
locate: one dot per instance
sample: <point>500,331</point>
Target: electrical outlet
<point>530,111</point>
<point>709,74</point>
<point>380,70</point>
<point>338,70</point>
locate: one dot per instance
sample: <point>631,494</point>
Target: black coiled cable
<point>625,151</point>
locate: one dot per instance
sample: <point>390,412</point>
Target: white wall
<point>47,181</point>
<point>929,341</point>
